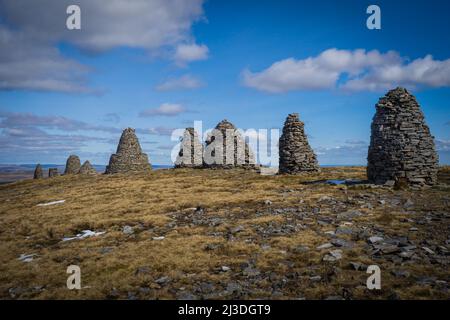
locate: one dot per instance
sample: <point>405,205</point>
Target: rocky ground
<point>213,234</point>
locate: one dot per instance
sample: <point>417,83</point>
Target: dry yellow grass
<point>116,265</point>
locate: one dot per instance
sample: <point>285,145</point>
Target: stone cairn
<point>216,154</point>
<point>87,168</point>
<point>72,165</point>
<point>129,156</point>
<point>53,172</point>
<point>38,173</point>
<point>295,153</point>
<point>402,150</point>
<point>191,150</point>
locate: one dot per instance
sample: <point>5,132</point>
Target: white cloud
<point>30,32</point>
<point>350,70</point>
<point>166,109</point>
<point>185,53</point>
<point>184,82</point>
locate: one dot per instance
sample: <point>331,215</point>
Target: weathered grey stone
<point>401,147</point>
<point>129,156</point>
<point>87,168</point>
<point>72,165</point>
<point>53,172</point>
<point>295,153</point>
<point>191,150</point>
<point>38,173</point>
<point>226,148</point>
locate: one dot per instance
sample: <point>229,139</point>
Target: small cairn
<point>87,168</point>
<point>73,165</point>
<point>226,148</point>
<point>402,150</point>
<point>129,156</point>
<point>191,150</point>
<point>38,173</point>
<point>53,172</point>
<point>296,155</point>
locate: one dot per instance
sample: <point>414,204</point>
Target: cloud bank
<point>353,70</point>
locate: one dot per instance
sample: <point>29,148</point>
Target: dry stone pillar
<point>129,156</point>
<point>191,150</point>
<point>87,168</point>
<point>53,172</point>
<point>226,148</point>
<point>402,149</point>
<point>72,165</point>
<point>295,153</point>
<point>38,173</point>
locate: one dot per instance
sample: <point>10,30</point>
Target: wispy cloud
<point>184,82</point>
<point>185,53</point>
<point>166,109</point>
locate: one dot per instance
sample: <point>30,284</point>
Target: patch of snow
<point>50,203</point>
<point>158,238</point>
<point>26,257</point>
<point>84,234</point>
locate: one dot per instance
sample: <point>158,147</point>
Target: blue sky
<point>159,65</point>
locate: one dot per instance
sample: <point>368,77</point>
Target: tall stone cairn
<point>401,147</point>
<point>129,156</point>
<point>191,150</point>
<point>38,173</point>
<point>53,172</point>
<point>217,156</point>
<point>73,165</point>
<point>296,155</point>
<point>87,168</point>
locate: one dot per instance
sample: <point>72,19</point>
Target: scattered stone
<point>295,153</point>
<point>128,230</point>
<point>226,148</point>
<point>408,204</point>
<point>84,234</point>
<point>358,266</point>
<point>38,173</point>
<point>53,172</point>
<point>375,239</point>
<point>158,238</point>
<point>400,273</point>
<point>428,250</point>
<point>401,145</point>
<point>87,168</point>
<point>191,150</point>
<point>315,278</point>
<point>349,215</point>
<point>163,280</point>
<point>267,202</point>
<point>225,268</point>
<point>342,243</point>
<point>129,156</point>
<point>324,246</point>
<point>333,256</point>
<point>72,165</point>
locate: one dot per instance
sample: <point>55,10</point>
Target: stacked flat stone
<point>73,165</point>
<point>38,173</point>
<point>129,157</point>
<point>53,172</point>
<point>217,156</point>
<point>402,149</point>
<point>87,168</point>
<point>191,150</point>
<point>295,154</point>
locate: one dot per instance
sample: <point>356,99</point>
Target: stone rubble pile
<point>53,172</point>
<point>129,156</point>
<point>295,153</point>
<point>402,149</point>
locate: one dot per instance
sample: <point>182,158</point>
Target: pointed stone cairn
<point>73,165</point>
<point>191,150</point>
<point>53,172</point>
<point>226,148</point>
<point>402,150</point>
<point>87,168</point>
<point>129,156</point>
<point>38,173</point>
<point>296,155</point>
